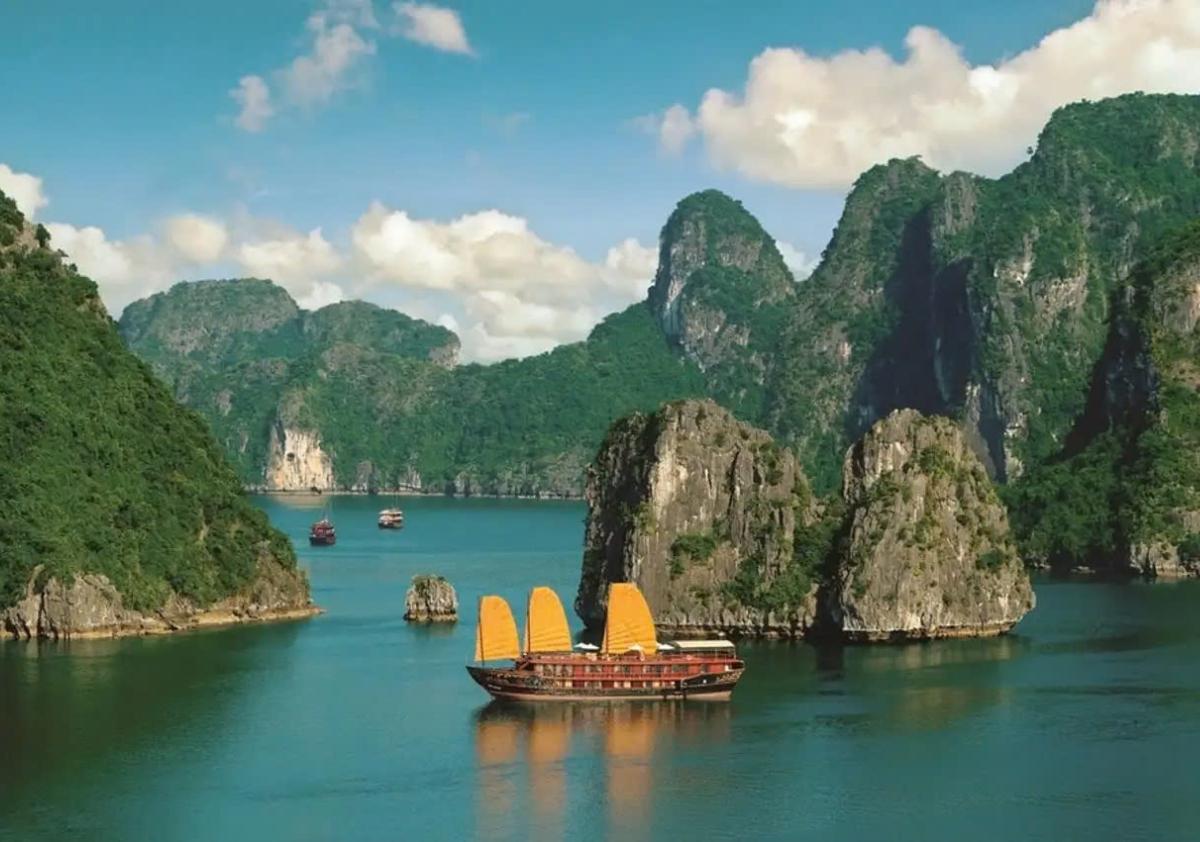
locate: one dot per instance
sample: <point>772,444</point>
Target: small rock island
<point>716,524</point>
<point>430,599</point>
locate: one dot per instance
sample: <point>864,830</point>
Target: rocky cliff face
<point>296,462</point>
<point>1124,492</point>
<point>430,599</point>
<point>701,512</point>
<point>928,552</point>
<point>715,523</point>
<point>983,299</point>
<point>721,293</point>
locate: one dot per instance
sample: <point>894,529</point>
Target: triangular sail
<point>546,627</point>
<point>496,634</point>
<point>629,623</point>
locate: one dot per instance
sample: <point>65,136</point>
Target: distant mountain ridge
<point>984,300</point>
<point>298,407</point>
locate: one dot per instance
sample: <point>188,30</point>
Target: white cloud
<point>631,266</point>
<point>254,96</point>
<point>674,127</point>
<point>341,37</point>
<point>24,189</point>
<point>321,294</point>
<point>289,257</point>
<point>487,275</point>
<point>337,48</point>
<point>813,122</point>
<point>433,26</point>
<point>199,239</point>
<point>124,270</point>
<point>800,264</point>
<point>519,293</point>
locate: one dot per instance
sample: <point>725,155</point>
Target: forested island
<point>120,514</point>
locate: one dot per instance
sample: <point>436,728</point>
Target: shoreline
<point>275,492</point>
<point>203,620</point>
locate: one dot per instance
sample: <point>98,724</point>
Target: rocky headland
<point>90,606</point>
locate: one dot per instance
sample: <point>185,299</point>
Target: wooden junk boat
<point>322,534</point>
<point>630,663</point>
<point>391,519</point>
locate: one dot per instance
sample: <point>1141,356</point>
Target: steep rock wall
<point>927,552</point>
<point>700,512</point>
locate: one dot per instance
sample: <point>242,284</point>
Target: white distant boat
<point>391,519</point>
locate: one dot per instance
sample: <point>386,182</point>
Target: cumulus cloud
<point>199,239</point>
<point>519,293</point>
<point>124,270</point>
<point>630,267</point>
<point>301,263</point>
<point>24,189</point>
<point>433,26</point>
<point>506,291</point>
<point>253,96</point>
<point>812,122</point>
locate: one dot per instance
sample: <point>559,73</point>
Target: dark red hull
<point>570,677</point>
<point>322,534</point>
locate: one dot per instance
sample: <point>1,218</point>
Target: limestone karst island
<point>463,420</point>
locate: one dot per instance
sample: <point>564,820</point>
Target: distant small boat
<point>322,533</point>
<point>391,519</point>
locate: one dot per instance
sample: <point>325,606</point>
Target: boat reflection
<point>524,751</point>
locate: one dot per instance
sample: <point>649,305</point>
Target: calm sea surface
<point>1084,724</point>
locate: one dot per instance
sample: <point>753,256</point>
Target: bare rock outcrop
<point>430,599</point>
<point>297,462</point>
<point>927,551</point>
<point>88,605</point>
<point>700,511</point>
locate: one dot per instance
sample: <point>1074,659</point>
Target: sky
<point>504,168</point>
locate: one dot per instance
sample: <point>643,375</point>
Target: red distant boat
<point>630,663</point>
<point>321,534</point>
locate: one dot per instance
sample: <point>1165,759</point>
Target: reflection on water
<point>68,705</point>
<point>541,738</point>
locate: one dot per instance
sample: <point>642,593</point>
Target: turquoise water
<point>1084,724</point>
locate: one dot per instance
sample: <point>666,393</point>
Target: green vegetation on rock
<point>104,473</point>
<point>1125,490</point>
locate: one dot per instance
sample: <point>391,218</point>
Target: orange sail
<point>496,634</point>
<point>546,627</point>
<point>629,623</point>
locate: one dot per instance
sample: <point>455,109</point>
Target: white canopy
<point>587,647</point>
<point>696,645</point>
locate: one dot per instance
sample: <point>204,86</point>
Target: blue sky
<point>123,111</point>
